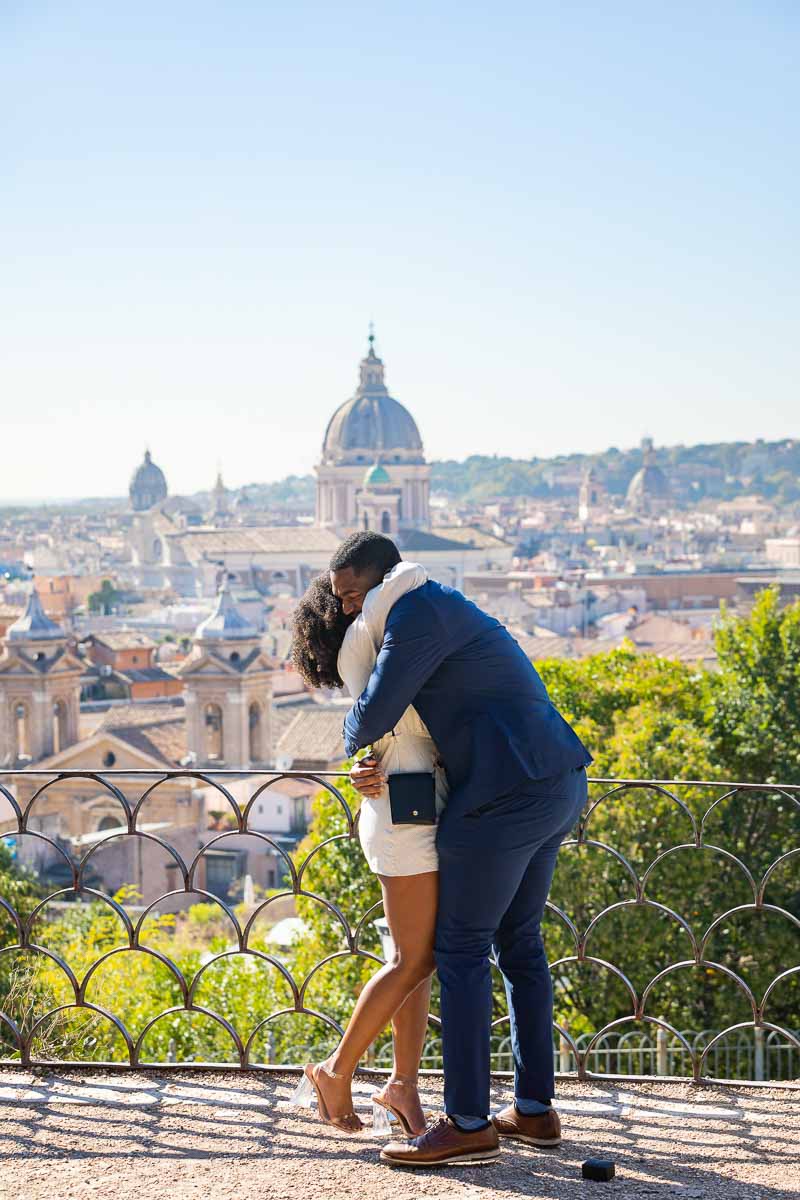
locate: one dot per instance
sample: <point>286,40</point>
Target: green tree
<point>20,890</point>
<point>105,600</point>
<point>755,715</point>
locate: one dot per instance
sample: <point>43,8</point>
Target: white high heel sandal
<point>307,1093</point>
<point>384,1122</point>
<point>388,1120</point>
<point>304,1095</point>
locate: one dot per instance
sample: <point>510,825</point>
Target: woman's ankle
<point>405,1080</point>
<point>335,1066</point>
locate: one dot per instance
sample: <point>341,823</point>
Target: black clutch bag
<point>412,797</point>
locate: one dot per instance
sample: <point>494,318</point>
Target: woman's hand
<point>367,776</point>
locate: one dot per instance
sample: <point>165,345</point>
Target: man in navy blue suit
<point>517,778</point>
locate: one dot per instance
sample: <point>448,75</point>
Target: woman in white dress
<point>330,649</point>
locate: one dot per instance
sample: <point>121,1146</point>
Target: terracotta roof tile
<point>156,729</point>
<point>124,639</point>
<point>268,539</point>
<point>315,735</point>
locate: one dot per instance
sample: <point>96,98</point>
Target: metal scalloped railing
<point>21,1032</point>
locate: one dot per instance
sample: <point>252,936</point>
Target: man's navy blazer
<point>479,695</point>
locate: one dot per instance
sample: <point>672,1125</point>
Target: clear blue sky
<point>573,224</point>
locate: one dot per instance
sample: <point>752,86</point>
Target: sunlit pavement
<point>66,1135</point>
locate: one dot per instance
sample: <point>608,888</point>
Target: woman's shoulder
<point>403,579</point>
<point>355,653</point>
<point>356,631</point>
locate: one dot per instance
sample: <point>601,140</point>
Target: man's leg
<point>521,956</point>
<point>483,860</point>
<point>476,886</point>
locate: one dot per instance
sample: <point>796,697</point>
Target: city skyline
<point>572,229</point>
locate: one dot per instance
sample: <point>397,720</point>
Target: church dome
<point>372,422</point>
<point>148,485</point>
<point>649,485</point>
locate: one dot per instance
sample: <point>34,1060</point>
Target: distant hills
<point>717,471</point>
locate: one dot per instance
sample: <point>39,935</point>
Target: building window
<point>386,523</point>
<point>60,738</point>
<point>22,727</point>
<point>109,758</point>
<point>299,816</point>
<point>254,726</point>
<point>214,733</point>
<point>109,823</point>
<point>222,868</point>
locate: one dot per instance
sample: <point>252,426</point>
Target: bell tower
<point>592,495</point>
<point>40,682</point>
<point>228,691</point>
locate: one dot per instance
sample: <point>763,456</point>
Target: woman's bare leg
<point>409,903</point>
<point>409,1027</point>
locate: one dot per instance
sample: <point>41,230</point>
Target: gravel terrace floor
<point>74,1135</point>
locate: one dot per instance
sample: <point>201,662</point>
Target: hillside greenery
<point>720,471</point>
<point>716,471</point>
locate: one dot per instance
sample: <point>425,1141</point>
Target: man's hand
<point>367,776</point>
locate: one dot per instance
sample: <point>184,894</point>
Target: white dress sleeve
<point>364,637</point>
<point>378,603</point>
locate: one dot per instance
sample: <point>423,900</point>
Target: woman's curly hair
<point>319,629</point>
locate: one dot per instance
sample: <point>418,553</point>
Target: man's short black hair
<point>366,551</point>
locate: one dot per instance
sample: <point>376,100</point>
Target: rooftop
<point>269,539</point>
<point>315,735</point>
<point>157,729</point>
<point>124,639</point>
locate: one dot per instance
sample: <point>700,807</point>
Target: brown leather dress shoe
<point>541,1130</point>
<point>444,1145</point>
